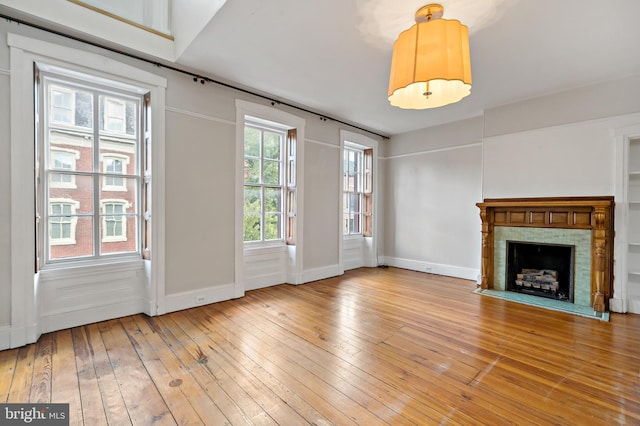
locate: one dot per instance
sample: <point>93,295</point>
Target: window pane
<point>252,200</point>
<point>70,236</point>
<point>61,106</point>
<point>354,202</point>
<point>272,144</point>
<point>124,195</point>
<point>80,195</point>
<point>271,173</point>
<point>251,227</point>
<point>118,115</point>
<point>251,142</point>
<point>272,200</point>
<point>252,170</point>
<point>272,226</point>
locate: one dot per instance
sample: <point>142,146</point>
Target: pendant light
<point>431,66</point>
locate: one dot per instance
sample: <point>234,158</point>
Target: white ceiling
<point>333,56</point>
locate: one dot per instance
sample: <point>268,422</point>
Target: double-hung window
<point>89,148</point>
<point>269,182</point>
<point>264,154</point>
<point>357,190</point>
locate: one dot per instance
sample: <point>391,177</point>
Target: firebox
<point>541,269</point>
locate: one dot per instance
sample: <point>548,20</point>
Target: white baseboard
<point>618,305</point>
<point>432,268</point>
<point>262,281</point>
<point>204,296</point>
<point>321,273</point>
<point>90,314</point>
<point>5,337</point>
<point>633,306</point>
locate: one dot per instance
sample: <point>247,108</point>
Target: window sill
<point>264,247</point>
<point>91,267</point>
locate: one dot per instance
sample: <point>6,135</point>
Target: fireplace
<point>540,269</point>
<point>584,223</point>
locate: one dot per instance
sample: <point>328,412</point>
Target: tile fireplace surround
<point>548,220</point>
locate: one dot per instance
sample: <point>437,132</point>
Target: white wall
<point>571,160</point>
<point>433,182</point>
<point>322,194</point>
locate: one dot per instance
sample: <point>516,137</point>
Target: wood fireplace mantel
<point>594,213</point>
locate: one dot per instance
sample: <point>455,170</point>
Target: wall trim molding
<point>190,299</point>
<point>472,274</point>
<point>432,151</point>
<point>330,145</point>
<point>5,337</point>
<point>255,282</point>
<point>321,273</point>
<point>198,115</point>
<point>89,314</point>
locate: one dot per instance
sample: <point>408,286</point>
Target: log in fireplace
<point>580,213</point>
<point>540,269</point>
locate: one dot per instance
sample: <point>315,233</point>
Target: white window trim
<point>369,244</point>
<point>69,185</point>
<point>117,238</point>
<point>23,53</point>
<point>74,221</point>
<point>262,126</point>
<point>294,271</point>
<point>360,148</point>
<point>125,165</point>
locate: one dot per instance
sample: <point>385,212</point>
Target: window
<point>62,221</point>
<point>263,183</point>
<point>62,105</point>
<point>92,172</point>
<point>115,166</point>
<point>114,220</point>
<point>63,160</point>
<point>114,115</point>
<point>357,190</point>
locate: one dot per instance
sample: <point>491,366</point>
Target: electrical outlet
<point>201,299</point>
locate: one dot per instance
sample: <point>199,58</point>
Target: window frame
<point>97,135</point>
<point>357,191</point>
<point>262,126</point>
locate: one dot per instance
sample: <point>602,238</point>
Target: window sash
<point>107,224</point>
<point>264,196</point>
<point>353,190</point>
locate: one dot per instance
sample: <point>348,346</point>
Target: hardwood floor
<point>374,346</point>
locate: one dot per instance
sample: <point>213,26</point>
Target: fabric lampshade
<point>431,65</point>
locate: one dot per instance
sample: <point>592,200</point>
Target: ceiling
<point>333,56</point>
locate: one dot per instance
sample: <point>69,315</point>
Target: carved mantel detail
<point>594,213</point>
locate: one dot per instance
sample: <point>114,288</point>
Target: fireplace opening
<point>540,269</point>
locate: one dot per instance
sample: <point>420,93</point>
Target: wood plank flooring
<point>374,346</point>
